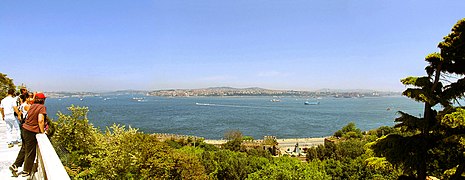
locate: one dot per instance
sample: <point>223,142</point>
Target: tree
<point>5,84</point>
<point>75,140</point>
<point>233,134</point>
<point>287,168</point>
<point>349,131</point>
<point>129,154</point>
<point>235,139</point>
<point>119,153</point>
<point>422,138</point>
<point>226,164</point>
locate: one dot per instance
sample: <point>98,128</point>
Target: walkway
<point>7,155</point>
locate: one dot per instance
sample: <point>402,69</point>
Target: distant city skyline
<point>284,45</point>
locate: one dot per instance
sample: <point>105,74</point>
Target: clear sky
<point>89,45</point>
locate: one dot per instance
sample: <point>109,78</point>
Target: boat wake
<point>225,105</point>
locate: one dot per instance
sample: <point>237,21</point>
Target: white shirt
<point>7,104</point>
<point>23,109</point>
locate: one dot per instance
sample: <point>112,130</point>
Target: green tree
<point>349,131</point>
<point>450,151</point>
<point>352,158</point>
<point>226,164</point>
<point>235,140</point>
<point>129,154</point>
<point>119,153</point>
<point>5,84</point>
<point>286,168</point>
<point>421,137</point>
<point>75,140</point>
<point>385,130</point>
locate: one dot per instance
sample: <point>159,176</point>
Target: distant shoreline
<point>283,144</point>
<point>229,91</point>
<point>235,92</point>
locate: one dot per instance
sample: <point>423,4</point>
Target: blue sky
<point>89,45</point>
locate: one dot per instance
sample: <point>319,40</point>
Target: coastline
<point>283,144</point>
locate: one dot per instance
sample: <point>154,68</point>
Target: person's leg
<point>21,155</point>
<point>9,130</point>
<point>19,159</point>
<point>30,143</point>
<point>17,129</point>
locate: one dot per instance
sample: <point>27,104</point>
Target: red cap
<point>40,95</point>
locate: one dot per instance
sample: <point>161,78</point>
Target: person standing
<point>23,95</point>
<point>27,100</point>
<point>34,124</point>
<point>21,155</point>
<point>8,108</point>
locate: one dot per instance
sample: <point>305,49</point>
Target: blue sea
<point>211,117</point>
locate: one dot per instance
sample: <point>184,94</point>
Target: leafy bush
<point>75,140</point>
<point>119,153</point>
<point>226,164</point>
<point>286,168</point>
<point>349,131</point>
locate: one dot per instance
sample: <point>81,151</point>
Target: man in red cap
<point>34,124</point>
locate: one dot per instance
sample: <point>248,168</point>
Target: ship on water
<point>312,103</point>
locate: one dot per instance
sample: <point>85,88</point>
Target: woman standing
<point>33,125</point>
<point>24,108</point>
<point>27,100</point>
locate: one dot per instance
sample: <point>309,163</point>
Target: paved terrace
<point>7,155</point>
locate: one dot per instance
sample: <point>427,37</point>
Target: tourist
<point>27,102</point>
<point>23,94</point>
<point>8,109</point>
<point>34,124</point>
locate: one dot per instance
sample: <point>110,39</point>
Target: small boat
<point>311,103</point>
<point>138,99</point>
<point>275,100</point>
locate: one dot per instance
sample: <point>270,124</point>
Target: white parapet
<point>49,164</point>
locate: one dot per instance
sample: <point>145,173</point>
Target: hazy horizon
<point>285,45</point>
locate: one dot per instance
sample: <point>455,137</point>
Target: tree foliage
<point>235,140</point>
<point>226,164</point>
<point>5,84</point>
<point>75,140</point>
<point>119,153</point>
<point>424,141</point>
<point>350,157</point>
<point>130,154</point>
<point>349,131</point>
<point>287,168</point>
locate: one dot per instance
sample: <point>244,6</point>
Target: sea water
<point>212,117</point>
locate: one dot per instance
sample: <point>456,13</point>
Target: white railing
<point>49,164</point>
